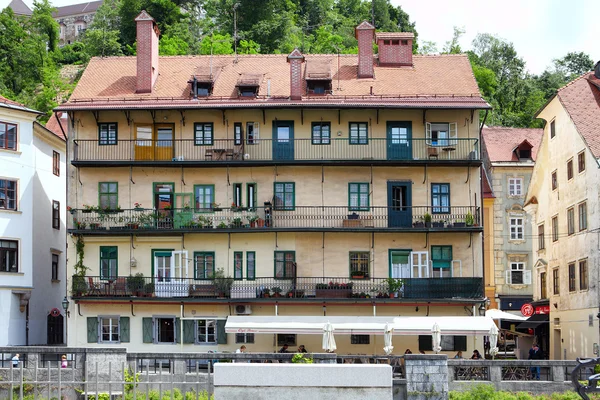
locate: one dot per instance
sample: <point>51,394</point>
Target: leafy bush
<point>488,392</point>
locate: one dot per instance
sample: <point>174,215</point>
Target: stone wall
<point>426,377</point>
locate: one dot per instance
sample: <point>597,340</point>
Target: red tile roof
<point>7,103</point>
<point>54,125</point>
<point>394,35</point>
<point>581,100</point>
<point>500,142</point>
<point>444,81</point>
<point>75,9</point>
<point>488,193</point>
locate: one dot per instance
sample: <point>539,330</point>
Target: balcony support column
<point>96,116</point>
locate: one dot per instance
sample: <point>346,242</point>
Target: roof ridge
<point>573,81</point>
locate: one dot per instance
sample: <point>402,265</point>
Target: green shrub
<point>487,392</point>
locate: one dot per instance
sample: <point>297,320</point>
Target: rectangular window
<point>440,198</point>
<point>541,239</point>
<point>164,330</point>
<point>321,133</point>
<point>570,221</point>
<point>582,209</point>
<point>583,275</point>
<point>441,261</point>
<point>285,195</point>
<point>109,329</point>
<point>204,264</point>
<point>8,136</point>
<point>250,265</point>
<point>448,343</point>
<point>556,281</point>
<point>8,194</point>
<point>359,264</point>
<point>516,273</point>
<point>55,214</point>
<point>285,264</point>
<point>108,195</point>
<point>207,331</point>
<point>359,133</point>
<point>238,265</point>
<point>204,197</point>
<point>56,163</point>
<point>108,262</point>
<point>554,181</point>
<point>237,134</point>
<point>54,267</point>
<point>552,129</point>
<point>515,186</point>
<point>581,161</point>
<point>107,133</point>
<point>516,228</point>
<point>360,339</point>
<point>570,169</point>
<point>543,286</point>
<point>244,338</point>
<point>252,132</point>
<point>358,196</point>
<point>572,281</point>
<point>286,338</point>
<point>203,133</point>
<point>237,195</point>
<point>554,228</point>
<point>251,196</point>
<point>9,256</point>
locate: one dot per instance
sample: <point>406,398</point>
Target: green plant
<point>300,358</point>
<point>236,222</point>
<point>222,225</point>
<point>469,219</point>
<point>276,290</point>
<point>149,288</point>
<point>394,285</point>
<point>205,222</point>
<point>427,218</point>
<point>132,378</point>
<point>223,283</point>
<point>135,283</point>
<point>252,218</point>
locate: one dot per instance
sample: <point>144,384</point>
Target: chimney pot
<point>295,59</point>
<point>147,52</point>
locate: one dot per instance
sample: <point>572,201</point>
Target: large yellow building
<point>203,187</point>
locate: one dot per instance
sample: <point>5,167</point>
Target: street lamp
<point>65,305</point>
<point>482,310</point>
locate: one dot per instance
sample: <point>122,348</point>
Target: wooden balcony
<point>263,152</point>
<point>262,219</point>
<point>263,289</point>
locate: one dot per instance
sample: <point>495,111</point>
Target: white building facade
<point>32,229</point>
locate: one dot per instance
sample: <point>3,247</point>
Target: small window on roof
<point>386,42</point>
<point>248,85</point>
<point>203,89</point>
<point>404,42</point>
<point>395,42</point>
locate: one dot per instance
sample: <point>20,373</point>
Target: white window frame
<point>156,328</point>
<point>206,334</point>
<point>449,140</point>
<point>517,266</point>
<point>515,187</point>
<point>102,318</point>
<point>517,230</point>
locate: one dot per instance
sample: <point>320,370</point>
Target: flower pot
<point>392,295</point>
<point>438,224</point>
<point>260,223</point>
<point>133,226</point>
<point>459,224</point>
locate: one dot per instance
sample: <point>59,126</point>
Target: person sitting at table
<point>302,349</point>
<point>476,355</point>
<point>408,351</point>
<point>284,349</point>
<point>459,355</point>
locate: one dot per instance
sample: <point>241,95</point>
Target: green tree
<point>574,64</point>
<point>452,46</point>
<point>43,23</point>
<point>172,46</point>
<point>217,44</point>
<point>403,24</point>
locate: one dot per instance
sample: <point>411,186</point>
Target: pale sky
<point>541,30</point>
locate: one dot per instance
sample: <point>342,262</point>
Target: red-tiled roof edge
<point>558,92</point>
<point>488,192</point>
<point>55,123</point>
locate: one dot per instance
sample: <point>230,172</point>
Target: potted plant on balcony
<point>266,292</point>
<point>394,287</point>
<point>149,289</point>
<point>427,219</point>
<point>438,224</point>
<point>216,207</point>
<point>236,223</point>
<point>135,284</point>
<point>223,283</point>
<point>222,225</point>
<point>252,220</point>
<point>356,274</point>
<point>469,219</point>
<point>88,208</point>
<point>276,291</point>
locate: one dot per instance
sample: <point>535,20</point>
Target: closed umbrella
<point>328,339</point>
<point>436,338</point>
<point>387,339</point>
<point>493,340</point>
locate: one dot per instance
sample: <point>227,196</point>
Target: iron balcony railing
<point>276,150</point>
<point>299,217</point>
<point>285,288</point>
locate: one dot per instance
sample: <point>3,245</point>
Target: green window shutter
<point>221,335</point>
<point>124,329</point>
<point>447,252</point>
<point>177,330</point>
<point>92,329</point>
<point>460,343</point>
<point>189,331</point>
<point>147,334</point>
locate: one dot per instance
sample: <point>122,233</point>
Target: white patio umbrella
<point>493,340</point>
<point>387,339</point>
<point>436,338</point>
<point>328,339</point>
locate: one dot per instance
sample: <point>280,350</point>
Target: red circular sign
<point>527,310</point>
<point>55,312</point>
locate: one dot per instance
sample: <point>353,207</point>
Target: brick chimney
<point>147,52</point>
<point>364,33</point>
<point>395,48</point>
<point>295,59</point>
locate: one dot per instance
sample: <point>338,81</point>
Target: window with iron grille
<point>54,360</point>
<point>359,263</point>
<point>582,208</point>
<point>8,136</point>
<point>572,280</point>
<point>360,339</point>
<point>570,221</point>
<point>54,267</point>
<point>56,163</point>
<point>55,214</point>
<point>581,161</point>
<point>556,281</point>
<point>583,275</point>
<point>541,239</point>
<point>8,194</point>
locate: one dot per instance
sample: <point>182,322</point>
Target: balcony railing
<point>261,218</point>
<point>276,150</point>
<point>262,288</point>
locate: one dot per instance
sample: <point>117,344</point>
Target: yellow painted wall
<point>488,255</point>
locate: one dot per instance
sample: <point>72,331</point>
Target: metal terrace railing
<point>278,217</point>
<point>280,288</point>
<point>276,150</point>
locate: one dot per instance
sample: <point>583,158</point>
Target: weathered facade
<point>307,186</point>
<point>73,20</point>
<point>563,202</point>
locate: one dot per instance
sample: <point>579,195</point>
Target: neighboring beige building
<point>563,202</point>
<point>509,156</point>
<point>74,19</point>
<point>290,174</point>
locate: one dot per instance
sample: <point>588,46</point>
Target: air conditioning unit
<point>243,309</point>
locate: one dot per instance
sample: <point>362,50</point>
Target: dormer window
<point>523,151</point>
<point>203,82</point>
<point>248,85</point>
<point>318,77</point>
<point>203,89</point>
